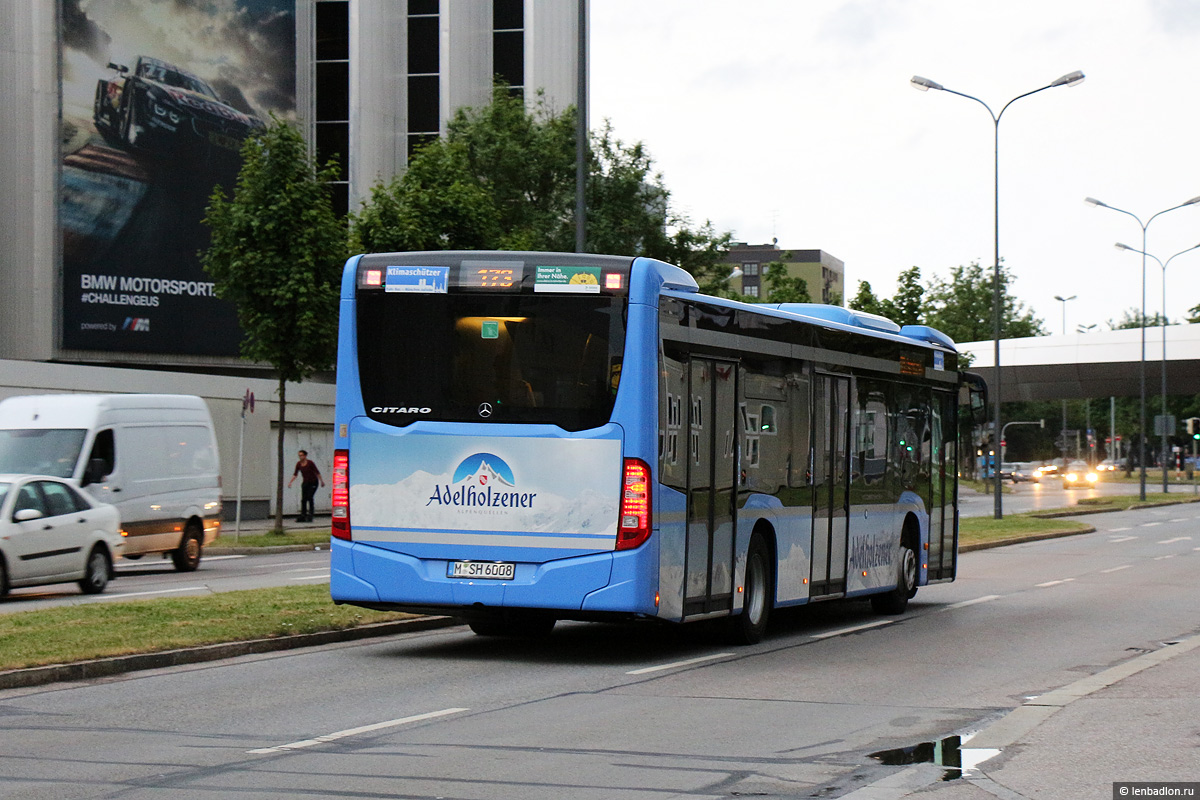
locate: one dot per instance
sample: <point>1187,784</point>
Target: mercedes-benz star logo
<point>485,410</point>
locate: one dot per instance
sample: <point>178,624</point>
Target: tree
<point>784,288</point>
<point>962,307</point>
<point>908,306</point>
<point>504,178</point>
<point>866,300</point>
<point>276,253</point>
<point>1133,318</point>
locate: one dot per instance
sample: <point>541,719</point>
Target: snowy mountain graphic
<point>484,469</point>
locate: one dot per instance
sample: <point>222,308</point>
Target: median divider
<point>115,665</point>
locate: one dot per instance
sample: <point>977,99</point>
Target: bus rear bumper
<point>599,582</point>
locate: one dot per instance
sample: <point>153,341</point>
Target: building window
<point>750,291</point>
<point>332,60</point>
<point>508,43</point>
<point>750,269</point>
<point>424,100</point>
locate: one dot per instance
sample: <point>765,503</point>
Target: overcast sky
<point>796,120</point>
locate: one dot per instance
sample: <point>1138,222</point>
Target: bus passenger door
<point>831,421</point>
<point>712,467</point>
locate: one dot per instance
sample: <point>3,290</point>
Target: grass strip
<point>988,530</point>
<point>312,536</point>
<point>96,630</point>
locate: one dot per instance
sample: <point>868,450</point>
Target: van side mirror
<point>27,514</point>
<point>96,471</point>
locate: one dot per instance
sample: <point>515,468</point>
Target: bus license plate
<point>489,570</point>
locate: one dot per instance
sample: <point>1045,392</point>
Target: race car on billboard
<point>161,108</point>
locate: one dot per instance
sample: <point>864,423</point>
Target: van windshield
<point>44,451</point>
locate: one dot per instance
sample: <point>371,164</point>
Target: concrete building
<point>824,275</point>
<point>121,117</point>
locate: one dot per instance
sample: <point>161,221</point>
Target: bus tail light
<point>341,494</point>
<point>635,505</point>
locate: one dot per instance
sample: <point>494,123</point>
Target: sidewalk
<point>226,544</point>
<point>1136,721</point>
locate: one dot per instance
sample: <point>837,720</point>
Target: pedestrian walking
<point>310,478</point>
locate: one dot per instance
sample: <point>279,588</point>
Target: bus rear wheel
<point>514,624</point>
<point>748,627</point>
<point>896,601</point>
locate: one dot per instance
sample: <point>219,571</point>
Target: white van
<point>153,456</point>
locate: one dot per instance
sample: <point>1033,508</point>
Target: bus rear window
<point>502,358</point>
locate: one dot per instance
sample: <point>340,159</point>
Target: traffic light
<point>1193,427</point>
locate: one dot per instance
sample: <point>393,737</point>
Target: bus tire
<point>896,601</point>
<point>748,627</point>
<point>186,557</point>
<point>514,624</point>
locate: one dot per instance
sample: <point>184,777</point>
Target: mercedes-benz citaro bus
<point>528,437</point>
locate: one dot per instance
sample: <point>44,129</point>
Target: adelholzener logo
<point>482,480</point>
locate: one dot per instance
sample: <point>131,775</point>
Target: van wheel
<point>749,626</point>
<point>186,557</point>
<point>3,578</point>
<point>95,576</point>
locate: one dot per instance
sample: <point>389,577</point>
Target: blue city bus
<point>527,437</point>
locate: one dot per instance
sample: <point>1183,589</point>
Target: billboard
<point>157,97</point>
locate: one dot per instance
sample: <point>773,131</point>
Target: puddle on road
<point>947,752</point>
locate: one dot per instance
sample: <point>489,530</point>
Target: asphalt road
<point>1044,496</point>
<point>602,711</point>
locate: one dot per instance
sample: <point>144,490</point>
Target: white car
<point>50,532</point>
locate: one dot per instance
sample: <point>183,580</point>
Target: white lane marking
<point>321,577</point>
<point>853,629</point>
<point>1118,530</point>
<point>1149,524</point>
<point>1176,539</point>
<point>1120,539</point>
<point>307,569</point>
<point>1054,583</point>
<point>378,726</point>
<point>222,558</point>
<point>291,563</point>
<point>1116,569</point>
<point>1178,519</point>
<point>676,664</point>
<point>1163,558</point>
<point>160,591</point>
<point>966,603</point>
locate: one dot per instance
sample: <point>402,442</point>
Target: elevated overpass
<point>1090,365</point>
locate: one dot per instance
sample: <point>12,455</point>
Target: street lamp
<point>1091,201</point>
<point>1064,301</point>
<point>1163,370</point>
<point>924,85</point>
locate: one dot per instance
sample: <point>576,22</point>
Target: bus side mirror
<point>972,397</point>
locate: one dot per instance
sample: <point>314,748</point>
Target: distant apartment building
<point>824,275</point>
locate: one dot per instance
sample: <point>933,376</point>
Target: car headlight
<point>1092,477</point>
<point>1070,477</point>
<point>166,113</point>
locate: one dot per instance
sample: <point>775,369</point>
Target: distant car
<point>1107,465</point>
<point>162,109</point>
<point>50,532</point>
<point>1022,472</point>
<point>1078,475</point>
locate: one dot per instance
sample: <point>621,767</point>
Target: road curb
<point>116,665</point>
